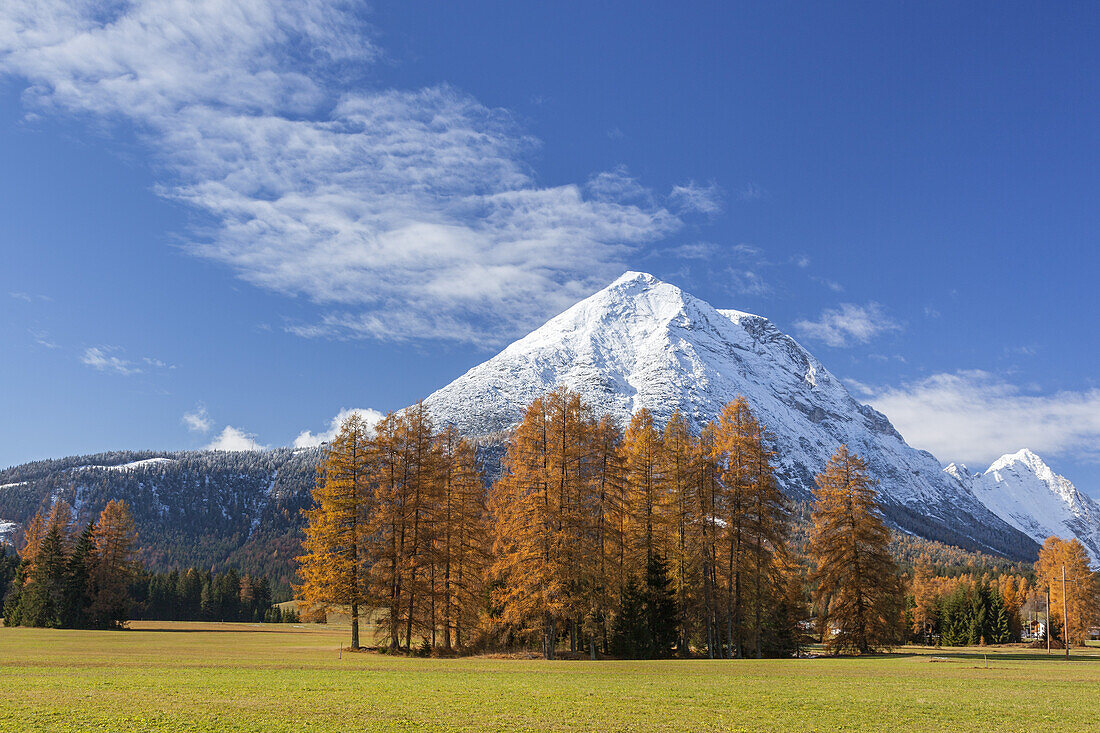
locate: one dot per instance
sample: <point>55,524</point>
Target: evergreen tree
<point>43,596</point>
<point>78,577</point>
<point>661,617</point>
<point>1000,629</point>
<point>629,636</point>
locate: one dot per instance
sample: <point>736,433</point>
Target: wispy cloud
<point>42,338</point>
<point>400,213</point>
<point>102,359</point>
<point>28,297</point>
<point>975,417</point>
<point>107,359</point>
<point>690,197</point>
<point>234,439</point>
<point>306,439</point>
<point>848,324</point>
<point>830,284</point>
<point>197,420</point>
<point>751,192</point>
<point>693,251</point>
<point>746,282</point>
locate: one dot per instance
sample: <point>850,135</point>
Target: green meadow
<point>241,677</point>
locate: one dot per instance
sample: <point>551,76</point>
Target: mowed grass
<point>241,677</point>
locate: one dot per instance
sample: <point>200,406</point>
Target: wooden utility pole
<point>1047,628</point>
<point>1065,614</point>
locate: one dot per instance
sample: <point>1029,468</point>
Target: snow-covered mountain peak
<point>959,471</point>
<point>641,342</point>
<point>1024,491</point>
<point>1023,457</point>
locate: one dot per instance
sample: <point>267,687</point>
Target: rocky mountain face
<point>641,342</point>
<point>1023,490</point>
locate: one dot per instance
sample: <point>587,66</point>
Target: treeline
<point>71,578</point>
<point>967,610</point>
<point>204,509</point>
<point>646,542</point>
<point>194,595</point>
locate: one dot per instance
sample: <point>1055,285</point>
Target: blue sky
<point>228,221</point>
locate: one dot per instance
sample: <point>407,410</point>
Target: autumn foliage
<point>858,593</point>
<point>397,533</point>
<point>75,579</point>
<point>1061,565</point>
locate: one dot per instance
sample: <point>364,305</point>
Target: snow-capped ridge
<point>1024,491</point>
<point>644,343</point>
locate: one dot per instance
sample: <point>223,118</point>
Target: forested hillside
<point>205,509</point>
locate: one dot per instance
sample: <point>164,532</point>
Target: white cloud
<point>830,284</point>
<point>976,417</point>
<point>29,297</point>
<point>751,192</point>
<point>197,421</point>
<point>104,359</point>
<point>233,439</point>
<point>101,359</point>
<point>693,198</point>
<point>848,324</point>
<point>399,213</point>
<point>693,251</point>
<point>42,338</point>
<point>306,439</point>
<point>746,282</point>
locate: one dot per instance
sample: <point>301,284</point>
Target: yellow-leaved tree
<point>1081,599</point>
<point>857,590</point>
<point>332,568</point>
<point>113,565</point>
<point>540,509</point>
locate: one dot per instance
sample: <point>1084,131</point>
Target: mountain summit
<point>641,342</point>
<point>1023,490</point>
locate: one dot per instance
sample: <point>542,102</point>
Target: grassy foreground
<point>241,677</point>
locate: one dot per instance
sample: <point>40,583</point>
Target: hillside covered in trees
<point>206,509</point>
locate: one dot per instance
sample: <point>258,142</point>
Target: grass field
<point>240,677</point>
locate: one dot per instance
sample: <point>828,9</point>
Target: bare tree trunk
<point>354,626</point>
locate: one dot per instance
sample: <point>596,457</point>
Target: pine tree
<point>78,577</point>
<point>1000,629</point>
<point>42,597</point>
<point>661,616</point>
<point>857,593</point>
<point>629,636</point>
<point>332,568</point>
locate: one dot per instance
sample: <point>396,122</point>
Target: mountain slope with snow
<point>1023,490</point>
<point>641,342</point>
